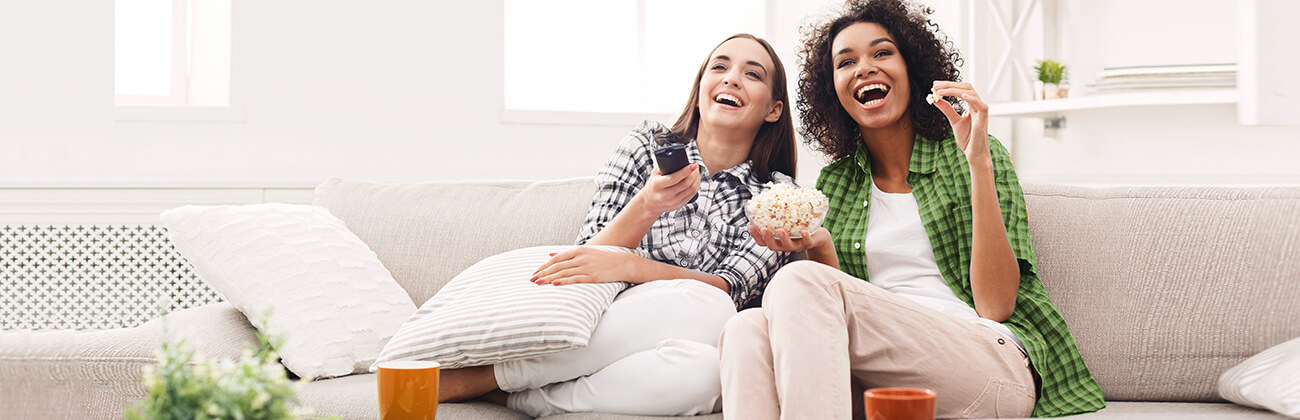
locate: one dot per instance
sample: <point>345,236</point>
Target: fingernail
<point>534,279</point>
<point>553,254</point>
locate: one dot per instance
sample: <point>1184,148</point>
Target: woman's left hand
<point>586,265</point>
<point>971,130</point>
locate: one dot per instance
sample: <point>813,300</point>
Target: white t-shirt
<point>901,260</point>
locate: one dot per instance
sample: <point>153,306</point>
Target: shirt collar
<point>925,155</point>
<point>743,173</point>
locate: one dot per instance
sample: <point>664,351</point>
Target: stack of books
<point>1121,79</point>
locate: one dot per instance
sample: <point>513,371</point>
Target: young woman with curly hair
<point>923,273</point>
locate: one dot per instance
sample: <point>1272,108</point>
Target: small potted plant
<point>185,385</point>
<point>1052,75</point>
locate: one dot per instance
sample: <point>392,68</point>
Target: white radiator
<point>92,276</point>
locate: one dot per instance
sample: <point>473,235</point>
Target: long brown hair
<point>774,146</point>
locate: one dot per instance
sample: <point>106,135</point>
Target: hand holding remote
<point>668,191</point>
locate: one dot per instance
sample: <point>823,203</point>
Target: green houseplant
<point>185,385</point>
<point>1053,75</point>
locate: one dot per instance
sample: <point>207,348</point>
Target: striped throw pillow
<point>491,313</point>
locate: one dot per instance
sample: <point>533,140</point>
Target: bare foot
<point>457,385</point>
<point>495,396</point>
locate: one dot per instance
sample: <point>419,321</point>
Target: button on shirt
<point>940,178</point>
<point>709,234</point>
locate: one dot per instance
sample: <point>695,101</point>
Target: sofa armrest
<point>66,373</point>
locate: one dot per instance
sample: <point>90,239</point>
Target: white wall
<point>402,90</point>
<point>411,90</point>
<point>397,91</point>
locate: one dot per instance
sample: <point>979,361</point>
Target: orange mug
<point>899,403</point>
<point>408,390</point>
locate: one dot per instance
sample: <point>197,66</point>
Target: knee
<point>708,306</point>
<point>697,292</point>
<point>744,329</point>
<point>796,284</point>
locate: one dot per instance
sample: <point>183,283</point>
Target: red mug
<point>899,403</point>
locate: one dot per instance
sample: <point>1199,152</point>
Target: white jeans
<point>654,352</point>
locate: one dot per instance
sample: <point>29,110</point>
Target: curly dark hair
<point>926,50</point>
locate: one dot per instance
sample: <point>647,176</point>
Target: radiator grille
<point>92,276</point>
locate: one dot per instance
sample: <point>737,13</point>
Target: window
<point>172,52</point>
<point>621,56</point>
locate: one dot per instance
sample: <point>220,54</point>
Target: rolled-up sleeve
<point>1011,198</point>
<point>619,180</point>
<point>747,270</point>
<point>749,266</point>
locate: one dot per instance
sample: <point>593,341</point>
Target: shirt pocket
<point>725,241</point>
<point>669,238</point>
<point>734,237</point>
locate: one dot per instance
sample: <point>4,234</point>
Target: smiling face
<point>735,91</point>
<point>870,76</point>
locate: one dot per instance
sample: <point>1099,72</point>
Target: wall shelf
<point>1053,108</point>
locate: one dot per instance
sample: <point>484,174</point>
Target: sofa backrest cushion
<point>427,233</point>
<point>1167,287</point>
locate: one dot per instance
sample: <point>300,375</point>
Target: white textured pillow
<point>491,313</point>
<point>1270,379</point>
<point>329,297</point>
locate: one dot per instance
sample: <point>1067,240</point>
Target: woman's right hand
<point>665,193</point>
<point>782,242</point>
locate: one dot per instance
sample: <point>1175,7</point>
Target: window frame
<point>183,103</point>
<point>509,115</point>
<point>179,90</point>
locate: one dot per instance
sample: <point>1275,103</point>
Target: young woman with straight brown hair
<point>693,261</point>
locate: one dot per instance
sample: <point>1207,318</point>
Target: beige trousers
<point>823,336</point>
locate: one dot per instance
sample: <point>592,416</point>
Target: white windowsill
<point>178,113</point>
<point>620,119</point>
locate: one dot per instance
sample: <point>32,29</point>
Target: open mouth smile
<point>728,100</point>
<point>871,94</point>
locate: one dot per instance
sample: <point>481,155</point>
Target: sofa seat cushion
<point>1123,410</point>
<point>357,397</point>
<point>604,416</point>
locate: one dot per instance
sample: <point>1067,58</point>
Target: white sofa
<point>1164,288</point>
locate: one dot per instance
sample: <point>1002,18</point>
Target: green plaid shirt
<point>940,178</point>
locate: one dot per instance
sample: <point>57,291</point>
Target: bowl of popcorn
<point>785,206</point>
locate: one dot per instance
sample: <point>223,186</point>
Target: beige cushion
<point>425,234</point>
<point>1165,288</point>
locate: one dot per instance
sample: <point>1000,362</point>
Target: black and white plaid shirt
<point>709,234</point>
